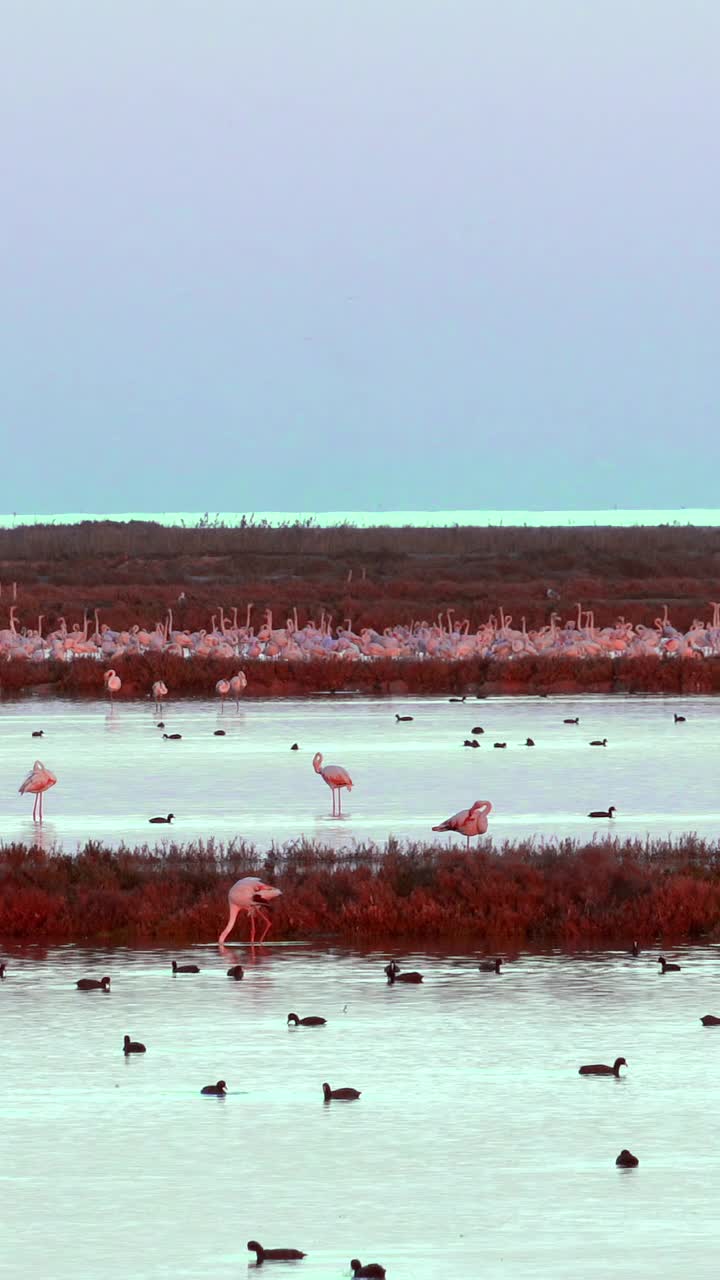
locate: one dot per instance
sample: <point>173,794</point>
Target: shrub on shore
<point>523,894</point>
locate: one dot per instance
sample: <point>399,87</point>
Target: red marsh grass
<point>522,895</point>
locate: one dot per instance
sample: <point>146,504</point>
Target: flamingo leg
<point>35,810</point>
<point>339,794</point>
<point>233,917</point>
<point>268,921</point>
<point>40,798</point>
<point>251,914</point>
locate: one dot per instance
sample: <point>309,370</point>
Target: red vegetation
<point>526,895</point>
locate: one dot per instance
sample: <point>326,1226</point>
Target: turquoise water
<point>475,1149</point>
<point>115,771</point>
<point>705,516</point>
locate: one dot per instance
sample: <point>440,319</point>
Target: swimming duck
<point>294,747</point>
<point>38,733</point>
<point>478,729</point>
<point>237,972</point>
<point>599,742</point>
<point>402,719</point>
<point>678,719</point>
<point>394,975</point>
<point>312,1021</point>
<point>710,1020</point>
<point>345,1095</point>
<point>626,1159</point>
<point>132,1046</point>
<point>599,1069</point>
<point>603,813</point>
<point>371,1270</point>
<point>529,742</point>
<point>184,968</point>
<point>92,984</point>
<point>218,733</point>
<point>668,968</point>
<point>500,745</point>
<point>215,1090</point>
<point>575,721</point>
<point>274,1255</point>
<point>172,737</point>
<point>490,966</point>
<point>163,820</point>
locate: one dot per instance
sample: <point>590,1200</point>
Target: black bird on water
<point>599,1069</point>
<point>478,729</point>
<point>603,813</point>
<point>471,742</point>
<point>371,1270</point>
<point>599,742</point>
<point>575,721</point>
<point>132,1046</point>
<point>668,968</point>
<point>215,1090</point>
<point>626,1160</point>
<point>165,820</point>
<point>343,1095</point>
<point>218,733</point>
<point>294,747</point>
<point>394,975</point>
<point>311,1021</point>
<point>172,737</point>
<point>184,968</point>
<point>237,972</point>
<point>402,719</point>
<point>38,733</point>
<point>273,1255</point>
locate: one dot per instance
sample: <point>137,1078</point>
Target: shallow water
<point>475,1149</point>
<point>115,771</point>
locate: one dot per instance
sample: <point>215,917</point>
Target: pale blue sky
<point>356,253</point>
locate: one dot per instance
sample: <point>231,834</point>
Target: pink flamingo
<point>336,778</point>
<point>249,894</point>
<point>238,685</point>
<point>159,691</point>
<point>38,780</point>
<point>113,683</point>
<point>222,688</point>
<point>468,822</point>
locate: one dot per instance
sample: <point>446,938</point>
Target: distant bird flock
<point>445,638</point>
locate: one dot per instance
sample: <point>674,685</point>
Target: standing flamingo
<point>159,691</point>
<point>38,780</point>
<point>222,688</point>
<point>468,822</point>
<point>238,685</point>
<point>336,778</point>
<point>250,894</point>
<point>113,683</point>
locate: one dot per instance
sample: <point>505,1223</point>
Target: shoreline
<point>471,677</point>
<point>524,894</point>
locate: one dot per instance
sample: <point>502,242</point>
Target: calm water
<point>705,516</point>
<point>475,1149</point>
<point>115,771</point>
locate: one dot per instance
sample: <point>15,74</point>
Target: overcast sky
<point>282,254</point>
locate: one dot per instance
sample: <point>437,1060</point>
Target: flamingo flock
<point>445,638</point>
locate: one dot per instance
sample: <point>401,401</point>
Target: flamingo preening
<point>250,894</point>
<point>222,689</point>
<point>336,778</point>
<point>38,780</point>
<point>159,691</point>
<point>468,822</point>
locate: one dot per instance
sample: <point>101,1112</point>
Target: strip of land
<point>519,896</point>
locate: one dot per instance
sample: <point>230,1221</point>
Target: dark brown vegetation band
<point>522,895</point>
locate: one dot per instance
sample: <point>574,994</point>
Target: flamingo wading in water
<point>38,780</point>
<point>159,691</point>
<point>113,683</point>
<point>250,894</point>
<point>336,778</point>
<point>468,822</point>
<point>238,685</point>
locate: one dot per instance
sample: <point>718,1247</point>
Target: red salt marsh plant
<point>521,895</point>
